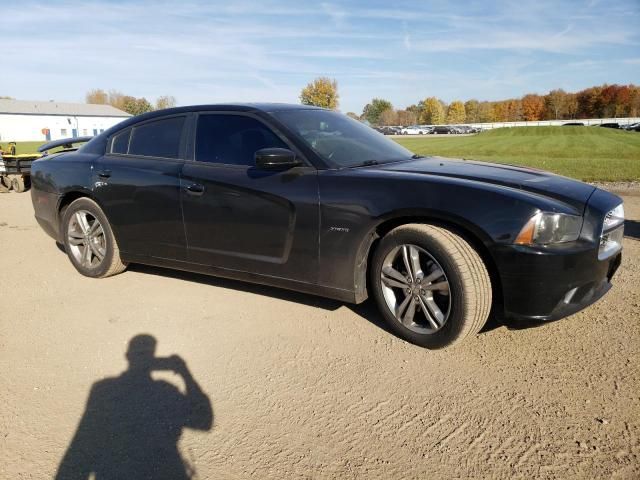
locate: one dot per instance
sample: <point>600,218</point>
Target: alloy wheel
<point>416,289</point>
<point>86,239</point>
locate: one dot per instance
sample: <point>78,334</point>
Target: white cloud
<point>267,50</point>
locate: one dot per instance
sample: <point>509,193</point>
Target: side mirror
<point>276,159</point>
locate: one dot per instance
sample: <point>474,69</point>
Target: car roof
<point>221,107</point>
<point>235,107</point>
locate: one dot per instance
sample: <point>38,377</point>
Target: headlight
<point>545,228</point>
<point>613,218</point>
<point>612,233</point>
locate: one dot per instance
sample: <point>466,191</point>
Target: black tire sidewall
<point>93,208</point>
<point>454,325</point>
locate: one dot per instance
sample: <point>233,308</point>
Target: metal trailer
<point>15,171</point>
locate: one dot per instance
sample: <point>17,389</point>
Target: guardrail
<point>547,123</point>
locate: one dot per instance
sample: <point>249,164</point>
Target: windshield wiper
<point>415,156</point>
<point>366,163</point>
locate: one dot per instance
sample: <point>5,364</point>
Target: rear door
<point>240,217</point>
<point>137,182</point>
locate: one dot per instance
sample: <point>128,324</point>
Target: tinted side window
<point>157,139</point>
<point>120,143</point>
<point>232,139</point>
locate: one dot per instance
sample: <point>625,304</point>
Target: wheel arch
<point>71,196</point>
<point>475,236</point>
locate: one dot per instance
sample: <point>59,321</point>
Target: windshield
<point>341,140</point>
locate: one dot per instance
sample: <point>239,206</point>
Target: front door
<point>240,217</point>
<point>137,183</point>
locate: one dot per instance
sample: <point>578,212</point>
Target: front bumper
<point>549,285</point>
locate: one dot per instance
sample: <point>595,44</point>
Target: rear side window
<point>157,139</point>
<point>232,139</point>
<point>120,143</point>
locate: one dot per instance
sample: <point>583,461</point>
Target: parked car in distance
<point>633,127</point>
<point>308,199</point>
<point>573,124</point>
<point>610,125</point>
<point>462,129</point>
<point>442,130</point>
<point>415,130</point>
<point>389,130</point>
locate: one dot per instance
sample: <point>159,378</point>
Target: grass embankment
<point>585,153</point>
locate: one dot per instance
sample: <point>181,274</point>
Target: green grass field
<point>23,147</point>
<point>27,147</point>
<point>585,153</point>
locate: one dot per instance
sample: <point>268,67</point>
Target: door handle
<point>104,173</point>
<point>195,189</point>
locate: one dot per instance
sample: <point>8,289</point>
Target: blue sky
<point>262,50</point>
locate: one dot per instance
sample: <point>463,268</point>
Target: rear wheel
<point>18,184</point>
<point>89,240</point>
<point>430,285</point>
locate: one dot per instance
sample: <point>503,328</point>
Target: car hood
<point>532,180</point>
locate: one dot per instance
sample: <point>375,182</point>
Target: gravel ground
<point>300,386</point>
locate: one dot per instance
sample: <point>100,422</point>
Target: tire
<point>6,182</point>
<point>18,184</point>
<point>452,285</point>
<point>78,219</point>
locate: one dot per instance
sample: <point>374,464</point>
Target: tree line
<point>128,103</point>
<point>605,101</point>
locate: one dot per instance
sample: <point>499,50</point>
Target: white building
<point>23,120</point>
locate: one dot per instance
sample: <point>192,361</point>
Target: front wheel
<point>89,240</point>
<point>431,286</point>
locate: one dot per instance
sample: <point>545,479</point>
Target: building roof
<point>28,107</point>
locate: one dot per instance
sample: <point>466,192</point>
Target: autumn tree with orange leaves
<point>532,107</point>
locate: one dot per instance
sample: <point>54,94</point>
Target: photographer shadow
<point>132,423</point>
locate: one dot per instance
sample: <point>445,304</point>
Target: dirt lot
<point>304,387</point>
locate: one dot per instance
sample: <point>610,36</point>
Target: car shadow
<point>367,310</point>
<point>255,288</point>
<point>632,229</point>
<point>132,423</point>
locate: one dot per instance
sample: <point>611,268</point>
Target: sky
<point>267,51</point>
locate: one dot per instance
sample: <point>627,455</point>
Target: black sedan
<point>311,200</point>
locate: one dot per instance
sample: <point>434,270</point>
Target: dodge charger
<point>308,199</point>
